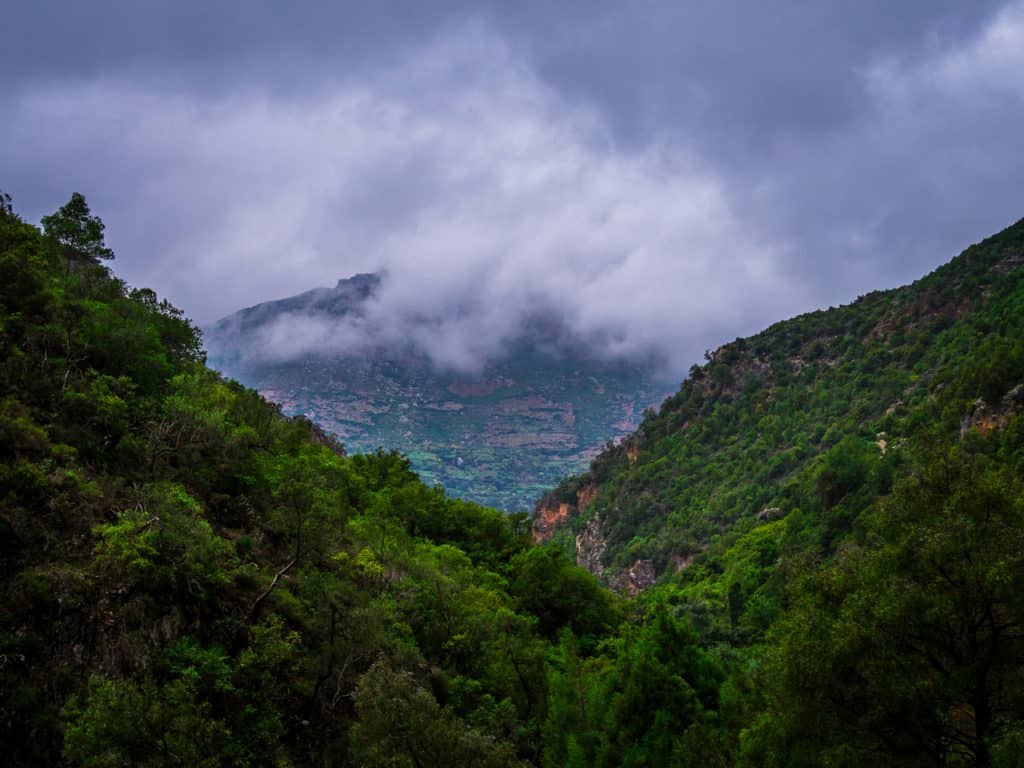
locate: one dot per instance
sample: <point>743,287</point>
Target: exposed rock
<point>892,408</point>
<point>547,518</point>
<point>633,448</point>
<point>638,577</point>
<point>1009,261</point>
<point>679,562</point>
<point>917,313</point>
<point>585,496</point>
<point>983,417</point>
<point>590,547</point>
<point>551,512</point>
<point>768,514</point>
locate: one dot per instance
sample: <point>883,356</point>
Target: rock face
<point>590,547</point>
<point>552,512</point>
<point>633,447</point>
<point>547,518</point>
<point>768,514</point>
<point>983,417</point>
<point>638,577</point>
<point>591,543</point>
<point>585,496</point>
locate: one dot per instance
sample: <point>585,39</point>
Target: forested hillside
<point>810,419</point>
<point>838,501</point>
<point>190,578</point>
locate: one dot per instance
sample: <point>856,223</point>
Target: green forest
<point>191,578</point>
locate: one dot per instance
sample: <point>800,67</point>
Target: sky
<point>665,176</point>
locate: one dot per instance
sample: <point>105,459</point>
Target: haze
<point>663,176</point>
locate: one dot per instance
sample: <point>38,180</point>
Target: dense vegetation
<point>836,505</point>
<point>792,417</point>
<point>189,577</point>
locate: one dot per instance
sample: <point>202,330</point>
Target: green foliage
<point>775,459</point>
<point>126,724</point>
<point>164,544</point>
<point>187,577</point>
<point>75,228</point>
<point>561,595</point>
<point>909,651</point>
<point>401,724</point>
<point>743,431</point>
<point>651,700</point>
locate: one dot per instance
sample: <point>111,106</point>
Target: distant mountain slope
<point>347,296</point>
<point>499,437</point>
<point>781,423</point>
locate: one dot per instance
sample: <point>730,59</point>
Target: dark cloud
<point>663,175</point>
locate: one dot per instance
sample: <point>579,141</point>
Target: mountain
<point>190,577</point>
<point>790,423</point>
<point>501,435</point>
<point>836,505</point>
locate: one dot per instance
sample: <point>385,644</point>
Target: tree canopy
<point>188,577</point>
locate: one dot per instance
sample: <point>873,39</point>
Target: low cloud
<point>492,198</point>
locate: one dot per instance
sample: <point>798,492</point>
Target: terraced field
<point>501,438</point>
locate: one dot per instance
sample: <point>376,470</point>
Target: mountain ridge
<point>188,577</point>
<point>894,338</point>
<point>343,298</point>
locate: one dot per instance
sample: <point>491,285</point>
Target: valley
<point>811,554</point>
<point>500,437</point>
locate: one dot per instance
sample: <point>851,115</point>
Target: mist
<point>492,195</point>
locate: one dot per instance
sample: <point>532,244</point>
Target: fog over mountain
<point>497,419</point>
<point>652,181</point>
<point>360,316</point>
<point>504,204</point>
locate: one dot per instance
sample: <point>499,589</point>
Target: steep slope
<point>786,422</point>
<point>501,436</point>
<point>188,577</point>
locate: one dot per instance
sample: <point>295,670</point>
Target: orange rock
<point>547,518</point>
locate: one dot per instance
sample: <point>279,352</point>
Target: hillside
<point>500,436</point>
<point>789,422</point>
<point>188,577</point>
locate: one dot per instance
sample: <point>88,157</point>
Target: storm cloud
<point>662,180</point>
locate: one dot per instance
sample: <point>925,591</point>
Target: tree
<point>308,510</point>
<point>909,653</point>
<point>561,594</point>
<point>78,231</point>
<point>402,725</point>
<point>663,689</point>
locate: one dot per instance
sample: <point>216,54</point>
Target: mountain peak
<point>364,283</point>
